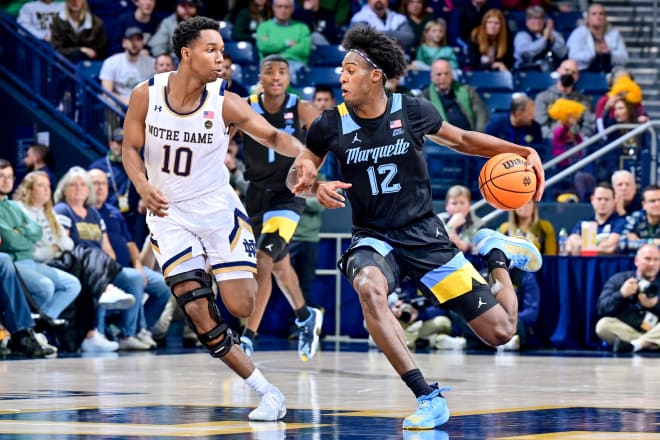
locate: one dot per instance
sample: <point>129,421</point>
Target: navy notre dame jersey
<point>265,168</point>
<point>383,158</point>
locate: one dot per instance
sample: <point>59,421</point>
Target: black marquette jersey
<point>264,167</point>
<point>383,158</point>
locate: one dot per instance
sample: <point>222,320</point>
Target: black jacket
<point>629,310</point>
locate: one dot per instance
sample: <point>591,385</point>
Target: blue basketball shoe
<point>432,411</point>
<point>310,331</point>
<point>246,345</point>
<point>520,252</point>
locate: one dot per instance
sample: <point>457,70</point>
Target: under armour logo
<point>158,108</point>
<point>356,139</point>
<point>437,232</point>
<point>353,272</point>
<point>250,247</point>
<point>269,247</point>
<point>481,303</point>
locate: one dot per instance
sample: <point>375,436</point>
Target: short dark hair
<point>273,58</point>
<point>519,102</point>
<point>384,51</point>
<point>4,163</point>
<point>322,89</point>
<point>604,185</point>
<point>648,188</point>
<point>188,31</point>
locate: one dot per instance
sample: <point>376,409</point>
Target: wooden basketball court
<point>346,391</point>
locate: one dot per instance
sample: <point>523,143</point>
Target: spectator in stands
<point>466,16</point>
<point>423,323</point>
<point>143,18</point>
<point>625,113</point>
<point>319,20</point>
<point>538,47</point>
<point>625,193</point>
<point>629,305</point>
<point>434,46</point>
<point>518,126</point>
<point>128,255</point>
<point>52,289</point>
<point>37,17</point>
<point>622,86</point>
<point>75,199</point>
<point>78,34</point>
<point>568,75</point>
<point>610,224</point>
<point>526,222</point>
<point>123,71</point>
<point>490,47</point>
<point>323,98</point>
<point>283,36</point>
<point>376,13</point>
<point>418,17</point>
<point>528,293</point>
<point>37,158</point>
<point>441,9</point>
<point>248,19</point>
<point>161,41</point>
<point>643,226</point>
<point>227,74</point>
<point>461,223</point>
<point>122,194</point>
<point>596,46</point>
<point>458,104</point>
<point>15,314</point>
<point>165,63</point>
<point>236,168</point>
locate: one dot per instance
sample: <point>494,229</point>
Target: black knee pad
<point>218,349</point>
<point>362,257</point>
<point>274,245</point>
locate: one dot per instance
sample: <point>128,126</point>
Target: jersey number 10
<point>182,161</point>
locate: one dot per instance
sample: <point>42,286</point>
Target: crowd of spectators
<point>99,209</point>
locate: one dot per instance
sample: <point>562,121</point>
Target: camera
<point>647,287</point>
<point>406,312</point>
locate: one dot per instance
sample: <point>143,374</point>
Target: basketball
<point>505,182</point>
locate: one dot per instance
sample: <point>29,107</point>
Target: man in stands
<point>518,126</point>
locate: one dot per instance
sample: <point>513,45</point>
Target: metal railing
<point>58,86</point>
<point>635,130</point>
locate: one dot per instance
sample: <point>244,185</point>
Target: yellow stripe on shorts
<point>452,279</point>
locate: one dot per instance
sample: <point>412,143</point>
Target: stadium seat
<point>484,81</point>
<point>417,79</point>
<point>515,20</point>
<point>565,22</point>
<point>242,52</point>
<point>307,93</point>
<point>319,75</point>
<point>532,82</point>
<point>497,102</point>
<point>249,75</point>
<point>327,55</point>
<point>592,83</point>
<point>90,69</point>
<point>225,30</point>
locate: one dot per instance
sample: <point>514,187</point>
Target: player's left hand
<point>306,173</point>
<point>327,193</point>
<point>534,163</point>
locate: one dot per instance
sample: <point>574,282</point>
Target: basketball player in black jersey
<point>378,140</point>
<point>274,211</point>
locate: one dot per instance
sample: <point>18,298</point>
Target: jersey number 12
<point>386,186</point>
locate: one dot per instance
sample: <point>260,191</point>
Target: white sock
<point>258,382</point>
<point>637,344</point>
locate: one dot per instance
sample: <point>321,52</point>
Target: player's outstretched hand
<point>154,199</point>
<point>534,163</point>
<point>328,194</point>
<point>306,173</point>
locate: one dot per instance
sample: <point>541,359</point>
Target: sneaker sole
<point>280,415</point>
<point>318,324</point>
<point>122,304</point>
<point>514,246</point>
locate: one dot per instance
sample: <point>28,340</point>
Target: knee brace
<point>218,349</point>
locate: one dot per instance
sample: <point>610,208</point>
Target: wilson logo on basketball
<point>512,163</point>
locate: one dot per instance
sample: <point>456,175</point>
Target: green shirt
<point>18,231</point>
<point>293,40</point>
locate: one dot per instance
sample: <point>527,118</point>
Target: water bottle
<point>563,237</point>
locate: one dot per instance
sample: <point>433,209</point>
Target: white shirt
<point>126,74</point>
<point>37,17</point>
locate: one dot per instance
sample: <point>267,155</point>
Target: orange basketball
<point>505,182</point>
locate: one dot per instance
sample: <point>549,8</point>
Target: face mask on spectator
<point>567,80</point>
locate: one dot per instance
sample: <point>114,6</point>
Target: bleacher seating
<point>249,75</point>
<point>565,22</point>
<point>532,82</point>
<point>592,83</point>
<point>417,79</point>
<point>484,81</point>
<point>327,55</point>
<point>242,52</point>
<point>318,75</point>
<point>497,102</point>
<point>90,69</point>
<point>448,168</point>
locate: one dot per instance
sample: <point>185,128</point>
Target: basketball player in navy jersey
<point>274,211</point>
<point>194,216</point>
<point>378,140</point>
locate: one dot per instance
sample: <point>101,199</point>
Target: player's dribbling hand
<point>328,194</point>
<point>534,163</point>
<point>155,201</point>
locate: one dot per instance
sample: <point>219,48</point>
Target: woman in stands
<point>78,34</point>
<point>526,222</point>
<point>491,47</point>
